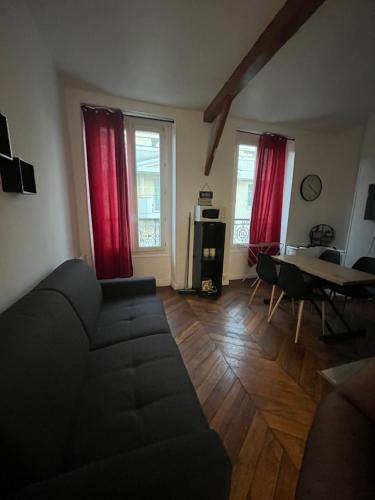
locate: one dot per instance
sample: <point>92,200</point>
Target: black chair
<point>293,284</point>
<point>367,265</point>
<point>267,273</point>
<point>331,256</point>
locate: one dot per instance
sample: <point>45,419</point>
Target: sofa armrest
<point>188,467</point>
<point>128,287</point>
<point>359,389</point>
<point>338,458</point>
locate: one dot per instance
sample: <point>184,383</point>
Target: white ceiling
<point>324,77</point>
<point>180,52</point>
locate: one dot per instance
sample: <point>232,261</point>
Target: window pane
<point>147,159</point>
<point>244,193</point>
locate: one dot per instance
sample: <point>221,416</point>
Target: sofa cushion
<point>127,288</point>
<point>43,358</point>
<point>136,393</point>
<point>189,467</point>
<point>77,282</point>
<point>129,319</point>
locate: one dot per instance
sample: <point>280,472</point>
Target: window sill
<point>239,246</point>
<point>150,253</point>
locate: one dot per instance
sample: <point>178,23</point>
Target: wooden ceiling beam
<point>284,25</point>
<point>221,119</point>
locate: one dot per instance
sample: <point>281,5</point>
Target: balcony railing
<point>241,231</point>
<point>149,233</point>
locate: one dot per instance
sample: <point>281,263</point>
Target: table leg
<point>348,333</point>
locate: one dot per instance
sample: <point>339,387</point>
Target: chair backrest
<point>266,269</point>
<point>292,282</point>
<point>365,264</point>
<point>330,256</point>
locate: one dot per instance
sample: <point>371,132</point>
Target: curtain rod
<point>145,116</point>
<point>270,133</point>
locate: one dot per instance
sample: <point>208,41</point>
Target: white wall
<point>36,231</point>
<point>290,154</point>
<point>335,159</point>
<point>331,156</point>
<point>362,231</point>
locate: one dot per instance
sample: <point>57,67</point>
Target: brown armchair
<point>339,457</point>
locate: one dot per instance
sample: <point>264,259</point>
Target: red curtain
<point>266,213</point>
<point>108,186</point>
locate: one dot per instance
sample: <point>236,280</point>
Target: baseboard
<point>163,283</point>
<point>233,277</point>
<point>177,286</point>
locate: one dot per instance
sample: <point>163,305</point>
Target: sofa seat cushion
<point>189,467</point>
<point>136,393</point>
<point>129,319</point>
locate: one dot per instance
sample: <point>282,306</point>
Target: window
<point>246,150</point>
<point>147,164</point>
<point>250,194</point>
<point>148,159</point>
<point>156,206</point>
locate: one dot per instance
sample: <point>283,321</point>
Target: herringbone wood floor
<point>257,388</point>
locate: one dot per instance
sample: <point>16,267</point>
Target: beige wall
<point>36,232</point>
<point>333,157</point>
<point>362,232</point>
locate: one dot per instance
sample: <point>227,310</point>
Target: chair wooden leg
<point>293,308</point>
<point>299,320</point>
<point>276,306</point>
<point>254,283</point>
<point>254,292</point>
<point>323,317</point>
<point>272,299</point>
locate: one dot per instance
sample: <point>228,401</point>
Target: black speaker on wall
<point>5,147</point>
<point>370,204</point>
<point>17,176</point>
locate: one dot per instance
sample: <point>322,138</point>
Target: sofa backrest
<point>43,356</point>
<point>77,282</point>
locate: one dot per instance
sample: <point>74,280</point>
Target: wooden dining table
<point>331,273</point>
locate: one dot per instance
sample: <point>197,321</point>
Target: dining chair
<point>294,285</point>
<point>267,273</point>
<point>367,265</point>
<point>331,256</point>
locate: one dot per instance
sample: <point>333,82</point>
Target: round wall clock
<point>311,187</point>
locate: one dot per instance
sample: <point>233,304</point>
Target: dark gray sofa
<point>95,399</point>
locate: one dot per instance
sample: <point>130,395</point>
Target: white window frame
<point>249,139</point>
<point>132,124</point>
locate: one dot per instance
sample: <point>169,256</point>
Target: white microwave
<point>208,214</point>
